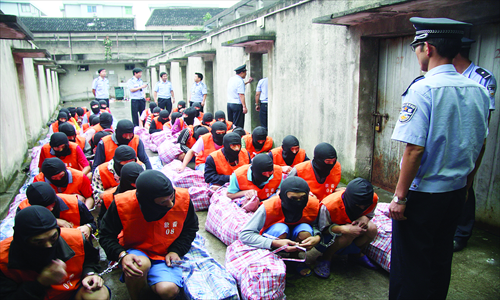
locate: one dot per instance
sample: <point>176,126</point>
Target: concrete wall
<point>77,85</point>
<point>322,78</point>
<point>25,106</point>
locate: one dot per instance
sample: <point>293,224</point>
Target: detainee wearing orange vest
<point>123,135</point>
<point>322,173</point>
<point>43,261</point>
<point>62,117</point>
<point>222,163</point>
<point>107,175</point>
<point>159,224</point>
<point>105,123</point>
<point>66,180</point>
<point>260,179</point>
<point>158,121</point>
<point>205,145</point>
<point>68,210</point>
<point>344,219</point>
<point>289,154</point>
<point>70,153</point>
<point>257,142</point>
<point>70,132</point>
<point>291,218</point>
<point>220,116</point>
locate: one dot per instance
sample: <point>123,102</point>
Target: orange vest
<point>200,117</point>
<point>71,188</point>
<point>208,147</point>
<point>85,127</point>
<point>267,190</point>
<point>268,145</point>
<point>223,167</point>
<point>152,238</point>
<point>97,128</point>
<point>274,213</point>
<point>70,161</point>
<point>72,215</point>
<point>336,208</point>
<point>88,116</point>
<point>55,127</point>
<point>74,266</point>
<point>110,146</point>
<point>191,141</point>
<point>229,124</point>
<point>105,110</point>
<point>108,197</point>
<point>80,141</point>
<point>158,124</point>
<point>320,190</point>
<point>278,157</point>
<point>107,178</point>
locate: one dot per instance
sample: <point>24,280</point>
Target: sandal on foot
<point>366,262</point>
<point>322,269</point>
<point>301,267</point>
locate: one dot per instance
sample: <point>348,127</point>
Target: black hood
<point>181,105</point>
<point>57,139</point>
<point>80,112</point>
<point>197,107</point>
<point>106,120</point>
<point>207,119</point>
<point>41,193</point>
<point>53,166</point>
<point>189,115</point>
<point>95,110</point>
<point>164,116</point>
<point>288,142</point>
<point>152,184</point>
<point>218,138</point>
<point>174,117</point>
<point>321,152</point>
<point>68,130</point>
<point>358,192</point>
<point>231,139</point>
<point>122,153</point>
<point>261,163</point>
<point>128,176</point>
<point>199,131</point>
<point>94,120</point>
<point>124,126</point>
<point>103,104</point>
<point>62,115</point>
<point>152,106</point>
<point>293,208</point>
<point>259,134</point>
<point>220,115</point>
<point>97,138</point>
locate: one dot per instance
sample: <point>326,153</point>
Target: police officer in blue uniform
<point>164,93</point>
<point>236,105</point>
<point>444,121</point>
<point>136,86</point>
<point>485,78</point>
<point>100,87</point>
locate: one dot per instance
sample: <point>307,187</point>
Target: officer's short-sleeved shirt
<point>489,82</point>
<point>101,87</point>
<point>135,83</point>
<point>447,114</point>
<point>262,88</point>
<point>235,87</point>
<point>163,89</point>
<point>197,91</point>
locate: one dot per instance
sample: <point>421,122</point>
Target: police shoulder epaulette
<point>483,73</point>
<point>414,80</point>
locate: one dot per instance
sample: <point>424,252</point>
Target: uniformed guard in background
<point>107,48</point>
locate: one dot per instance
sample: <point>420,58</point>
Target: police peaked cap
<point>428,28</point>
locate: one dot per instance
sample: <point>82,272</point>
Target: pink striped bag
<point>379,249</point>
<point>200,196</point>
<point>187,178</point>
<point>35,157</point>
<point>157,138</point>
<point>143,134</point>
<point>225,219</point>
<point>259,272</point>
<point>168,151</point>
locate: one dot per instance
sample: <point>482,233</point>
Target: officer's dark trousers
<point>466,219</point>
<point>137,106</point>
<point>165,103</point>
<point>422,245</point>
<point>263,114</point>
<point>235,114</point>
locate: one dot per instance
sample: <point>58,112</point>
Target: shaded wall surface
<point>29,94</point>
<point>323,78</point>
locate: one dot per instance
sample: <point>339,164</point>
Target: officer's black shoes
<point>458,246</point>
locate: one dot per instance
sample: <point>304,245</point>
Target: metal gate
<point>398,66</point>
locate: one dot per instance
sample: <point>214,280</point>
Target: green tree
<point>207,17</point>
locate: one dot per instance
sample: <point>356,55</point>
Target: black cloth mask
<point>30,222</point>
<point>156,110</point>
<point>163,117</point>
<point>122,153</point>
<point>199,131</point>
<point>321,152</point>
<point>218,138</point>
<point>240,131</point>
<point>128,176</point>
<point>180,105</point>
<point>41,193</point>
<point>106,120</point>
<point>103,104</point>
<point>174,117</point>
<point>288,142</point>
<point>207,119</point>
<point>94,120</point>
<point>197,107</point>
<point>259,133</point>
<point>231,139</point>
<point>53,166</point>
<point>124,126</point>
<point>293,208</point>
<point>152,184</point>
<point>152,106</point>
<point>69,131</point>
<point>358,192</point>
<point>62,115</point>
<point>220,115</point>
<point>189,115</point>
<point>80,112</point>
<point>72,112</point>
<point>261,163</point>
<point>96,109</point>
<point>57,139</point>
<point>97,138</point>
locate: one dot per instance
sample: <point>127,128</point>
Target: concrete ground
<point>475,270</point>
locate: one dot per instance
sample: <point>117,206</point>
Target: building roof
<point>78,24</point>
<point>181,16</point>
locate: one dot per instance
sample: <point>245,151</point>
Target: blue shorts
<point>280,228</point>
<point>159,271</point>
<point>351,249</point>
<point>200,167</point>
